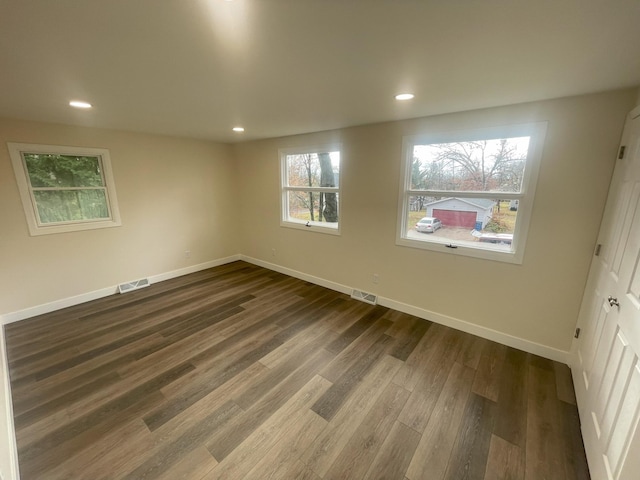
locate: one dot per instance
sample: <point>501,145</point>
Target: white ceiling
<point>197,68</point>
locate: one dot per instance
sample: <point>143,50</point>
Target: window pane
<point>313,207</point>
<point>486,165</point>
<point>71,205</point>
<point>49,170</point>
<point>313,169</point>
<point>478,222</point>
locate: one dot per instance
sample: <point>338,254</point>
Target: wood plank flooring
<point>239,372</point>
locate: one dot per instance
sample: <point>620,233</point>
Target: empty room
<point>319,239</point>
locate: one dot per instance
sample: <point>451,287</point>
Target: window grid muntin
<point>33,189</point>
<point>36,228</point>
<point>288,221</point>
<point>536,133</point>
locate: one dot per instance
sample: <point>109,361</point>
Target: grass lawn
<point>414,217</point>
<point>506,217</point>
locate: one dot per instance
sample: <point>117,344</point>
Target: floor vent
<point>365,297</point>
<point>127,287</point>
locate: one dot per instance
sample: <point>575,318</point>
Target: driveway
<point>450,233</point>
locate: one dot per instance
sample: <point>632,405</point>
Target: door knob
<point>613,301</point>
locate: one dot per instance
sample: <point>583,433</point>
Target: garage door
<point>456,218</point>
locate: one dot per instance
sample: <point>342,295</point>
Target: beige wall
<point>174,195</point>
<point>216,200</point>
<point>537,301</point>
<point>179,194</point>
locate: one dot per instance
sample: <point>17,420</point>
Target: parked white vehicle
<point>428,225</point>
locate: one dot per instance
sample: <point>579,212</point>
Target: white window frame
<point>285,221</point>
<point>36,227</point>
<point>536,132</point>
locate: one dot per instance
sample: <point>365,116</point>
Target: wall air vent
<point>365,297</point>
<point>129,286</point>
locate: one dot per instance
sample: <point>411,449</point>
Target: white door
<point>606,371</point>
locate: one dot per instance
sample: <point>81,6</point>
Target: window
<point>311,188</point>
<point>64,188</point>
<point>470,193</point>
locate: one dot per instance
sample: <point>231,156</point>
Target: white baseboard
<point>484,332</point>
<point>105,292</point>
<point>8,438</point>
<point>480,331</point>
<point>161,277</point>
<point>302,276</point>
<point>468,327</point>
<point>56,305</point>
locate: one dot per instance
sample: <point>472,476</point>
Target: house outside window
<point>470,192</point>
<point>64,189</point>
<point>310,188</point>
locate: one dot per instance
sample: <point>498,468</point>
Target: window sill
<point>316,227</point>
<point>35,230</point>
<point>451,247</point>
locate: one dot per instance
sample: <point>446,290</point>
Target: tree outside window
<point>64,188</point>
<point>478,185</point>
<point>310,188</point>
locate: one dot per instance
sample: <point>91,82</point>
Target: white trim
<point>161,277</point>
<point>13,473</point>
<point>484,332</point>
<point>302,276</point>
<point>107,291</point>
<point>56,305</point>
<point>536,132</point>
<point>439,244</point>
<point>318,227</point>
<point>478,330</point>
<point>311,226</point>
<point>313,189</point>
<point>28,200</point>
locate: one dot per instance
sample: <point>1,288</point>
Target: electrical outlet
<point>273,252</point>
<point>187,253</point>
<point>375,278</point>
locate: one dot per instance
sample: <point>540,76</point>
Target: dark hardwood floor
<point>238,372</point>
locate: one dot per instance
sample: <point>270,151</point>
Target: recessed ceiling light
<point>238,129</point>
<point>405,96</point>
<point>79,104</point>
